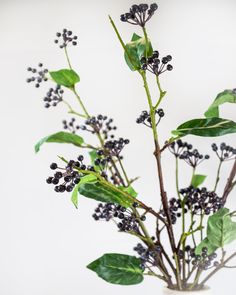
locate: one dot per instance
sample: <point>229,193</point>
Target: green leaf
<point>65,77</point>
<point>87,178</point>
<point>135,50</point>
<point>74,196</point>
<point>135,37</point>
<point>118,269</point>
<point>130,190</point>
<point>205,244</point>
<point>221,230</point>
<point>60,137</point>
<point>209,127</point>
<point>93,156</point>
<point>102,193</point>
<point>197,180</point>
<point>223,97</point>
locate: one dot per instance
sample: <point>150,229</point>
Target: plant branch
<point>162,93</point>
<point>81,103</point>
<point>218,175</point>
<point>219,267</point>
<point>67,57</point>
<point>71,111</point>
<point>230,183</point>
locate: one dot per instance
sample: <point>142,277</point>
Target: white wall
<point>45,243</point>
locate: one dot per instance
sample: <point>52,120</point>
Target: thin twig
<point>230,183</point>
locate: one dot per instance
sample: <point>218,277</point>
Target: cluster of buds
<point>65,38</point>
<point>39,75</point>
<point>155,65</point>
<point>145,118</point>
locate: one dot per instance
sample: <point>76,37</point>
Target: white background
<point>45,243</point>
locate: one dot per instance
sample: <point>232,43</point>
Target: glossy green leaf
<point>118,269</point>
<point>130,190</point>
<point>135,50</point>
<point>60,137</point>
<point>205,244</point>
<point>87,178</point>
<point>197,180</point>
<point>100,192</point>
<point>221,229</point>
<point>209,127</point>
<point>65,77</point>
<point>227,96</point>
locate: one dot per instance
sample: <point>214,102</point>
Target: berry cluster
<point>178,147</point>
<point>156,65</point>
<point>68,176</point>
<point>127,221</point>
<point>39,75</point>
<point>201,201</point>
<point>175,209</point>
<point>65,38</point>
<point>99,124</point>
<point>224,152</point>
<point>145,118</point>
<point>204,261</point>
<point>147,256</point>
<point>101,161</point>
<point>139,14</point>
<point>114,147</point>
<point>185,151</point>
<point>193,158</point>
<point>53,96</point>
<point>71,126</point>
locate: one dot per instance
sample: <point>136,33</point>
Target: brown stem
<point>164,199</point>
<point>230,184</point>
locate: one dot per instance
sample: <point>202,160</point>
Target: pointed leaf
<point>118,269</point>
<point>209,127</point>
<point>65,77</point>
<point>60,137</point>
<point>74,196</point>
<point>130,190</point>
<point>100,192</point>
<point>135,37</point>
<point>197,180</point>
<point>223,97</point>
<point>135,50</point>
<point>88,178</point>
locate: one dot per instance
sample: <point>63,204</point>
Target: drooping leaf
<point>221,229</point>
<point>100,192</point>
<point>118,269</point>
<point>197,180</point>
<point>135,50</point>
<point>87,178</point>
<point>65,77</point>
<point>209,127</point>
<point>60,137</point>
<point>227,96</point>
<point>74,196</point>
<point>205,244</point>
<point>130,190</point>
